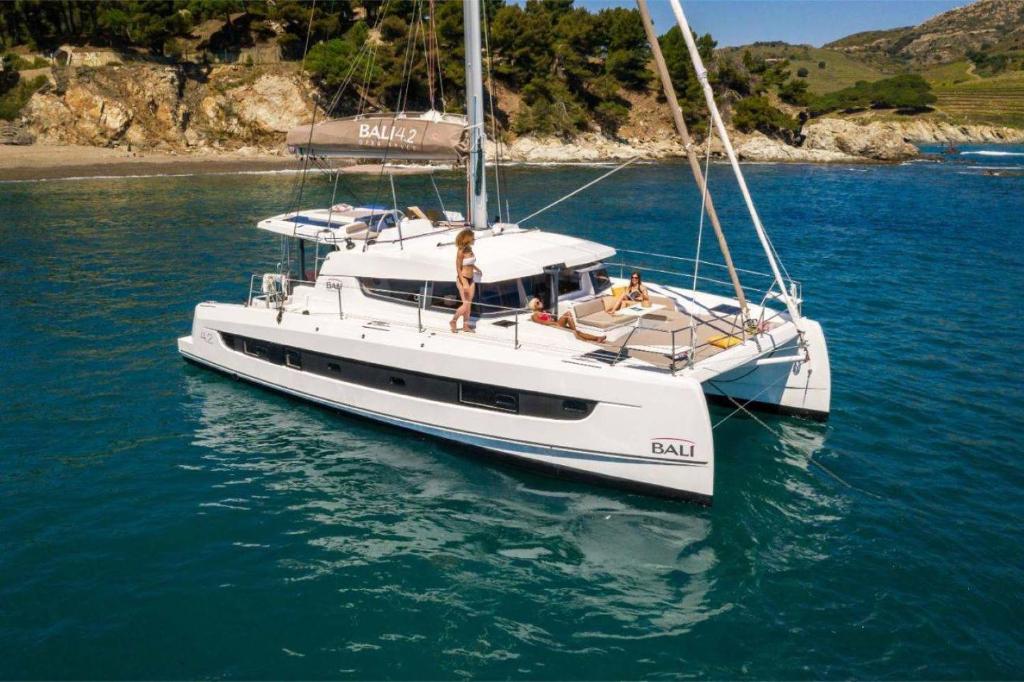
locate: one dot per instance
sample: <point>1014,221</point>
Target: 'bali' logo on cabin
<point>377,134</point>
<point>678,447</point>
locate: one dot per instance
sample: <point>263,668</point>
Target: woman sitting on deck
<point>636,292</point>
<point>542,316</point>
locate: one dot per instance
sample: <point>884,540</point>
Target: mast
<point>716,117</point>
<point>476,204</point>
<point>691,155</point>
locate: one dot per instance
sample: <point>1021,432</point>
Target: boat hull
<point>651,437</point>
<point>801,388</point>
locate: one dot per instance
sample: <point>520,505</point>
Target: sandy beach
<point>51,162</point>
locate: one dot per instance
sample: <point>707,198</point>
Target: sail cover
<point>424,137</point>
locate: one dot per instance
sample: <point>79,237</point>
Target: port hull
<point>643,432</point>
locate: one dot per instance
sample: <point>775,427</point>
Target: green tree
<point>757,113</point>
<point>794,92</point>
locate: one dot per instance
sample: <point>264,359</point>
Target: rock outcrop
<point>193,109</point>
<point>924,130</point>
<point>172,108</point>
<point>760,147</point>
<point>877,140</point>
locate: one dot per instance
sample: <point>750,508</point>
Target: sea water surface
<point>161,521</point>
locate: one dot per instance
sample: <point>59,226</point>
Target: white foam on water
<point>285,171</point>
<point>986,152</point>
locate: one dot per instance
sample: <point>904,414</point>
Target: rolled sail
<point>432,136</point>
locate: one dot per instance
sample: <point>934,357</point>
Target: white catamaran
<point>359,321</point>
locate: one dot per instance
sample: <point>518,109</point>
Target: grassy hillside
<point>972,56</point>
<point>998,100</point>
<point>866,39</point>
<point>841,71</point>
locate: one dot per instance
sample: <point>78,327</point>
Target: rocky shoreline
<point>826,140</point>
<point>237,117</point>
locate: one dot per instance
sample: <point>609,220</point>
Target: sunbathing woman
<point>542,316</point>
<point>466,274</point>
<point>636,292</point>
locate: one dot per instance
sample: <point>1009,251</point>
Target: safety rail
<point>766,293</point>
<point>678,352</point>
<point>278,297</point>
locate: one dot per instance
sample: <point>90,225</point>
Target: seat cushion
<point>603,320</point>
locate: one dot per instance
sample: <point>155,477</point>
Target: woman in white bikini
<point>466,272</point>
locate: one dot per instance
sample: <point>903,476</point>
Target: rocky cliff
<point>171,108</point>
<point>191,109</point>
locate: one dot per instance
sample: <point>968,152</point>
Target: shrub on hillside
<point>908,92</point>
<point>794,92</point>
<point>802,72</point>
<point>757,113</point>
<point>12,101</point>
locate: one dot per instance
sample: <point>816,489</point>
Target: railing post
<point>693,342</point>
<point>341,312</point>
<point>419,312</point>
<point>517,330</point>
<point>673,361</point>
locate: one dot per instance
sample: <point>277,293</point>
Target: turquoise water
<point>160,521</point>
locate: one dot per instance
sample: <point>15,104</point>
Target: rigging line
<point>410,54</point>
<point>437,60</point>
<point>810,458</point>
<point>428,57</point>
<point>363,50</point>
<point>438,193</point>
<point>309,31</point>
<point>312,123</point>
<point>368,71</point>
<point>577,191</point>
<point>494,121</point>
<point>700,235</point>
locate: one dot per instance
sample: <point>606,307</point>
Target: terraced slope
<point>998,100</point>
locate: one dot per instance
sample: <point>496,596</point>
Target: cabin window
<point>568,282</point>
<point>503,294</point>
<point>378,222</point>
<point>445,295</point>
<point>404,290</point>
<point>421,385</point>
<point>257,349</point>
<point>600,280</point>
<point>490,397</point>
<point>540,286</point>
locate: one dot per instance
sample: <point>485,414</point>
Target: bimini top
<point>430,136</point>
<point>504,252</point>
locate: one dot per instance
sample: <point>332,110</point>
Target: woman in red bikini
<point>542,316</point>
<point>466,272</point>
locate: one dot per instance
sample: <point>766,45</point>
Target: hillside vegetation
<point>558,69</point>
<point>971,57</point>
<point>555,69</point>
